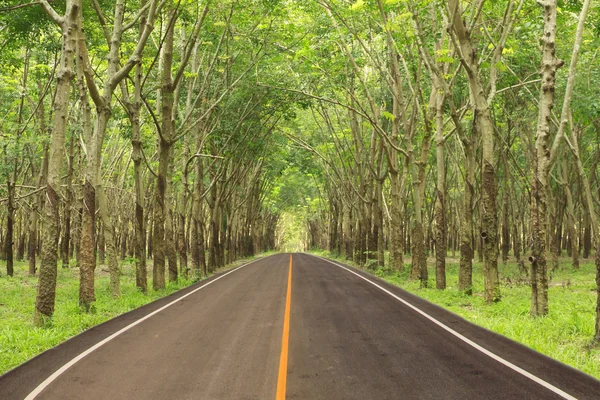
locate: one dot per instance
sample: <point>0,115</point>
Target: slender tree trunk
<point>197,240</point>
<point>540,185</point>
<point>485,129</point>
<point>214,240</point>
<point>171,251</point>
<point>66,239</point>
<point>419,257</point>
<point>47,281</point>
<point>158,232</point>
<point>9,240</point>
<point>109,232</point>
<point>101,244</point>
<point>465,269</point>
<point>440,203</point>
<point>141,278</point>
<point>396,239</point>
<point>552,238</point>
<point>182,209</point>
<point>88,245</point>
<point>32,237</point>
<point>587,236</point>
<point>505,211</point>
<point>122,240</point>
<point>348,225</point>
<point>39,199</point>
<point>150,254</point>
<point>378,226</point>
<point>571,229</point>
<point>161,240</point>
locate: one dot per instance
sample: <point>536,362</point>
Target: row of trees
<point>455,126</point>
<point>136,129</point>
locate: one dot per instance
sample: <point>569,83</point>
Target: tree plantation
<point>176,137</point>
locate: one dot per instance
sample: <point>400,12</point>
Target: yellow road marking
<point>285,339</point>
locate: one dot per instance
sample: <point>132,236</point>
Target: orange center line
<point>285,339</point>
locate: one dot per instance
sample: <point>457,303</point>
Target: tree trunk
<point>440,202</point>
<point>158,233</point>
<point>571,229</point>
<point>87,265</point>
<point>378,226</point>
<point>109,232</point>
<point>101,244</point>
<point>66,239</point>
<point>587,236</point>
<point>485,129</point>
<point>161,240</point>
<point>46,293</point>
<point>197,241</point>
<point>9,239</point>
<point>465,269</point>
<point>38,202</point>
<point>419,259</point>
<point>141,278</point>
<point>396,239</point>
<point>540,184</point>
<point>21,244</point>
<point>171,250</point>
<point>505,208</point>
<point>348,225</point>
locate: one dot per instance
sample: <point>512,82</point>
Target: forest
<point>413,138</point>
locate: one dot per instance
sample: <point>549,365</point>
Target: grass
<point>565,334</point>
<point>20,340</point>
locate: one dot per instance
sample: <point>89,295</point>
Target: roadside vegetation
<point>564,334</point>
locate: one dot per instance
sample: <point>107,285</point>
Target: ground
<point>565,334</point>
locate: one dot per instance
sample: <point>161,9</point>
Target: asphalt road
<point>349,336</point>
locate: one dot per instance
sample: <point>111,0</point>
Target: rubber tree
<point>93,190</point>
<point>546,154</point>
<point>69,24</point>
<point>485,129</point>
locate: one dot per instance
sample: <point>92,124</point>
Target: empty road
<point>295,327</point>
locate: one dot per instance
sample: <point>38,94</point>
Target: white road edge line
<point>68,365</point>
<point>488,353</point>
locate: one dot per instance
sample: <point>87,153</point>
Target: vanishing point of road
<point>293,327</point>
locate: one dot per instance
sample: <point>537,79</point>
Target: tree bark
<point>9,240</point>
<point>540,184</point>
<point>465,268</point>
<point>46,293</point>
<point>161,240</point>
<point>141,278</point>
<point>440,202</point>
<point>587,236</point>
<point>158,232</point>
<point>66,239</point>
<point>485,130</point>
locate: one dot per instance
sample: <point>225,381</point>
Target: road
<point>304,328</point>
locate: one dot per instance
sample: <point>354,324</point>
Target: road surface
<point>304,328</point>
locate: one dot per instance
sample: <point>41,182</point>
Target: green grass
<point>565,334</point>
<point>20,340</point>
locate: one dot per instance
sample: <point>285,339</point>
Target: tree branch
<point>59,20</point>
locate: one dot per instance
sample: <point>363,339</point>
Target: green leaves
<point>388,115</point>
<point>358,5</point>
